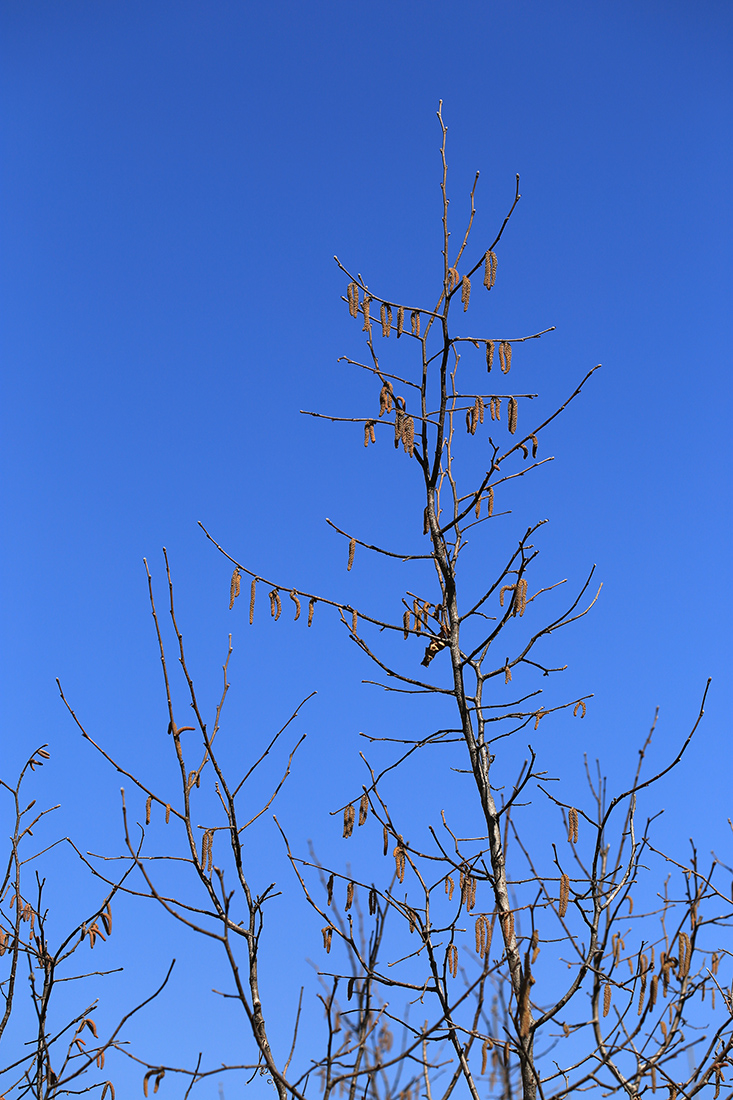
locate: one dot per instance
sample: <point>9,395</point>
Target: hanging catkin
<point>406,624</point>
<point>234,586</point>
<point>465,292</point>
<point>385,318</point>
<point>399,857</point>
<point>363,808</point>
<point>275,604</point>
<point>252,591</point>
<point>490,499</point>
<point>505,356</point>
<point>489,270</point>
<point>512,415</point>
<point>489,354</point>
<point>579,706</point>
<point>415,322</point>
<point>352,551</point>
<point>408,435</point>
<point>400,321</point>
<point>354,621</point>
<point>296,601</point>
<point>385,399</point>
<point>534,445</point>
<point>349,817</point>
<point>367,319</point>
<point>607,999</point>
<point>572,825</point>
<point>353,296</point>
<point>311,609</point>
<point>564,894</point>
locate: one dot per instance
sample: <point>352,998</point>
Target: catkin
<point>349,897</point>
<point>234,586</point>
<point>354,621</point>
<point>495,408</point>
<point>572,825</point>
<point>489,270</point>
<point>406,625</point>
<point>400,321</point>
<point>502,590</point>
<point>367,319</point>
<point>372,434</point>
<point>349,817</point>
<point>372,901</point>
<point>327,934</point>
<point>452,959</point>
<point>363,808</point>
<point>408,436</point>
<point>507,924</point>
<point>453,278</point>
<point>489,354</point>
<point>148,804</point>
<point>449,887</point>
<point>399,858</point>
<point>415,322</point>
<point>353,296</point>
<point>329,890</point>
<point>296,601</point>
<point>564,894</point>
<point>607,999</point>
<point>385,839</point>
<point>385,399</point>
<point>512,415</point>
<point>398,417</point>
<point>534,445</point>
<point>366,434</point>
<point>252,592</point>
<point>520,597</point>
<point>507,673</point>
<point>480,408</point>
<point>465,292</point>
<point>352,551</point>
<point>579,706</point>
<point>505,356</point>
<point>275,604</point>
<point>486,1047</point>
<point>385,318</point>
<point>490,499</point>
<point>311,609</point>
<point>167,813</point>
<point>525,449</point>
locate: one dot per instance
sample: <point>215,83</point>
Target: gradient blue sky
<point>176,179</point>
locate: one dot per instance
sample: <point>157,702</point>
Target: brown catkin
<point>372,901</point>
<point>507,673</point>
<point>385,837</point>
<point>311,609</point>
<point>481,408</point>
<point>349,817</point>
<point>564,894</point>
<point>489,354</point>
<point>296,601</point>
<point>415,322</point>
<point>234,586</point>
<point>408,435</point>
<point>367,319</point>
<point>329,890</point>
<point>453,278</point>
<point>399,858</point>
<point>495,408</point>
<point>505,356</point>
<point>349,897</point>
<point>607,999</point>
<point>352,551</point>
<point>449,887</point>
<point>534,445</point>
<point>572,825</point>
<point>406,624</point>
<point>327,934</point>
<point>520,597</point>
<point>465,292</point>
<point>490,499</point>
<point>167,812</point>
<point>252,592</point>
<point>363,808</point>
<point>366,434</point>
<point>486,1047</point>
<point>385,318</point>
<point>385,399</point>
<point>148,804</point>
<point>451,956</point>
<point>400,321</point>
<point>512,415</point>
<point>579,706</point>
<point>489,270</point>
<point>372,433</point>
<point>276,604</point>
<point>353,296</point>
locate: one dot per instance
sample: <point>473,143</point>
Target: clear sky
<point>176,179</point>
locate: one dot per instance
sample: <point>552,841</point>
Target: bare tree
<point>564,984</point>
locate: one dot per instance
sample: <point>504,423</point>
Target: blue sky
<point>176,180</point>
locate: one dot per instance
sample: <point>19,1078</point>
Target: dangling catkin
<point>385,318</point>
<point>490,270</point>
<point>520,597</point>
<point>453,278</point>
<point>148,804</point>
<point>572,825</point>
<point>512,415</point>
<point>406,625</point>
<point>485,1055</point>
<point>534,445</point>
<point>329,890</point>
<point>275,604</point>
<point>363,808</point>
<point>327,933</point>
<point>400,321</point>
<point>415,322</point>
<point>564,894</point>
<point>449,887</point>
<point>452,959</point>
<point>408,435</point>
<point>607,999</point>
<point>579,706</point>
<point>352,551</point>
<point>399,858</point>
<point>505,356</point>
<point>372,901</point>
<point>465,292</point>
<point>385,837</point>
<point>367,319</point>
<point>481,408</point>
<point>349,897</point>
<point>349,817</point>
<point>234,587</point>
<point>490,499</point>
<point>311,609</point>
<point>507,673</point>
<point>252,591</point>
<point>167,813</point>
<point>525,450</point>
<point>296,601</point>
<point>366,434</point>
<point>353,296</point>
<point>354,621</point>
<point>385,399</point>
<point>489,354</point>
